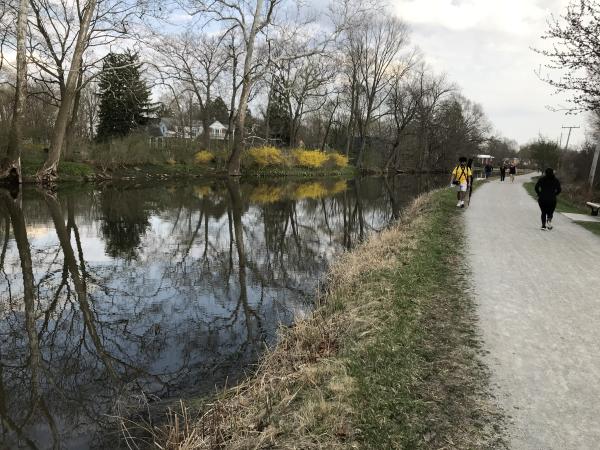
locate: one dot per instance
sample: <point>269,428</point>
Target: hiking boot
<point>549,224</point>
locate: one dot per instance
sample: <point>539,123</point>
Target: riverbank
<point>388,360</point>
<point>84,172</point>
<point>569,201</point>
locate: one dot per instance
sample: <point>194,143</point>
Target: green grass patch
<point>594,227</point>
<point>417,378</point>
<point>75,169</point>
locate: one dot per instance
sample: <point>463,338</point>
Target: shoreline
<point>389,358</point>
<point>70,172</point>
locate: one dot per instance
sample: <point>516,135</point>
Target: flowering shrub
<point>266,156</point>
<point>310,158</point>
<point>203,157</point>
<point>338,160</point>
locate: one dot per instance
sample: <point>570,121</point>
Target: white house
<point>162,127</point>
<point>217,130</point>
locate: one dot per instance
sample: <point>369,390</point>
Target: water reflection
<point>109,294</point>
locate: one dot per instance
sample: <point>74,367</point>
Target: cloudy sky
<point>484,46</point>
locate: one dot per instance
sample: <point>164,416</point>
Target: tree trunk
<point>10,166</point>
<point>234,87</point>
<point>49,170</point>
<point>206,121</point>
<point>350,132</point>
<point>328,127</point>
<point>70,133</point>
<point>233,165</point>
<point>594,165</point>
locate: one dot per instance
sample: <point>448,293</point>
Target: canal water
<point>117,296</point>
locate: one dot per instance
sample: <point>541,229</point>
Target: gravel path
<point>538,295</point>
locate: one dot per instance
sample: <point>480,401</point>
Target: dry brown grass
<point>299,396</point>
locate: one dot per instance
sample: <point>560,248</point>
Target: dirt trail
<point>538,295</point>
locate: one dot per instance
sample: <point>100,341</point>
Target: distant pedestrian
<point>488,170</point>
<point>547,188</point>
<point>502,172</point>
<point>462,176</point>
<point>512,170</point>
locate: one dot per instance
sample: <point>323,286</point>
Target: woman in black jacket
<point>547,188</point>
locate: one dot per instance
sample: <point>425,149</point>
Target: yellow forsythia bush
<point>310,158</point>
<point>203,157</point>
<point>266,156</point>
<point>338,160</point>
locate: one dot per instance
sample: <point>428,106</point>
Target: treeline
<point>341,76</point>
<point>573,165</point>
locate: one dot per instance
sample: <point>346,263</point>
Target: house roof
<point>218,125</point>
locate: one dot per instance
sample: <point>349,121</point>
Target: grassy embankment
<point>566,202</point>
<point>388,360</point>
<point>133,159</point>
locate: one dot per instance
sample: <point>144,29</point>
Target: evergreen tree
<point>219,110</point>
<point>124,96</point>
<point>278,115</point>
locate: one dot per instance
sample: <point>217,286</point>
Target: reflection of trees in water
<point>193,284</point>
<point>125,220</point>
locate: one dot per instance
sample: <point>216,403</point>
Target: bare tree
<point>249,18</point>
<point>10,166</point>
<point>234,54</point>
<point>196,61</point>
<point>304,83</point>
<point>65,36</point>
<point>374,47</point>
<point>49,170</point>
<point>575,52</point>
<point>404,98</point>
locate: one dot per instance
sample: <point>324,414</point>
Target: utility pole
<point>566,145</point>
<point>568,136</point>
<point>594,165</point>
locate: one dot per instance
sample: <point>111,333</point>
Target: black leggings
<point>547,208</point>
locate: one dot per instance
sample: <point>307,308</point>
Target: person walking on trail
<point>512,170</point>
<point>502,172</point>
<point>461,178</point>
<point>488,170</point>
<point>547,188</point>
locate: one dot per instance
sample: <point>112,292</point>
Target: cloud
<point>485,47</point>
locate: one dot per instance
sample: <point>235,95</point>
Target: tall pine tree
<point>278,115</point>
<point>124,96</point>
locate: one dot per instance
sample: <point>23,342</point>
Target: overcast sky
<point>484,46</point>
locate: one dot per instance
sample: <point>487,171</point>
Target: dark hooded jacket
<point>547,188</point>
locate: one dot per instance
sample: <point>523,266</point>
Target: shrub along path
<point>539,306</point>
